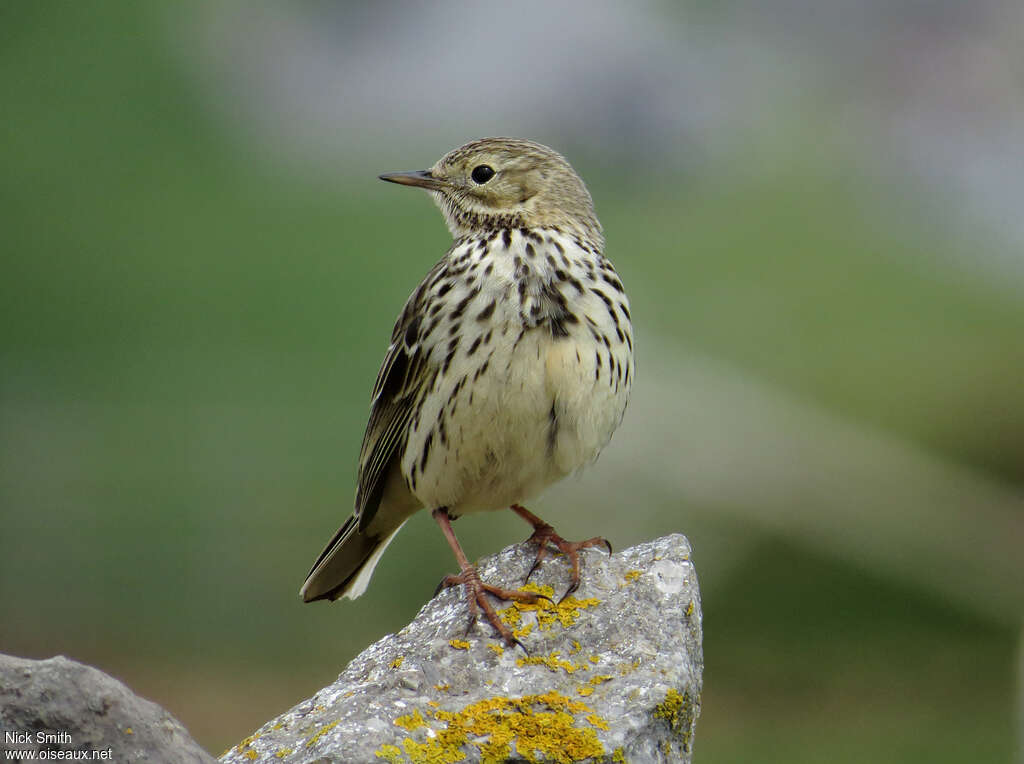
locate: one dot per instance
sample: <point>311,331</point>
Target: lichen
<point>619,756</point>
<point>459,644</point>
<point>247,743</point>
<point>497,647</point>
<point>390,753</point>
<point>283,752</point>
<point>523,631</point>
<point>320,733</point>
<point>594,682</point>
<point>554,661</point>
<point>397,662</point>
<point>411,721</point>
<point>678,710</point>
<point>533,727</point>
<point>632,575</point>
<point>548,613</point>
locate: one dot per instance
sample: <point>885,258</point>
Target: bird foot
<point>546,539</point>
<point>476,596</point>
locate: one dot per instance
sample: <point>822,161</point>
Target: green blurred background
<point>817,219</point>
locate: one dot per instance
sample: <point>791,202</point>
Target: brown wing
<point>404,377</point>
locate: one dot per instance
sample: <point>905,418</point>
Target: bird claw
<point>521,646</point>
<point>545,537</point>
<point>476,597</point>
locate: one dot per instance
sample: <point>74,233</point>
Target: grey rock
<point>613,674</point>
<point>62,705</point>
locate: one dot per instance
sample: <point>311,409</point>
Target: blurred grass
<point>868,670</point>
<point>859,301</point>
<point>190,338</point>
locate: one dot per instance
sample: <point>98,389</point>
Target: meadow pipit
<point>509,367</point>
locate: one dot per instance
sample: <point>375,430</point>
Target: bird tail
<point>345,566</point>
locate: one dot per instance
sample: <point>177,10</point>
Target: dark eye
<point>482,173</point>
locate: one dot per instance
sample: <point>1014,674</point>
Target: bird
<point>509,368</point>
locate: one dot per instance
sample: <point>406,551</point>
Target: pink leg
<point>476,590</point>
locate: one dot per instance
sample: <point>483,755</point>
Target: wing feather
<point>404,377</point>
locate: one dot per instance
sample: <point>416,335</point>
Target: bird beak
<point>420,178</point>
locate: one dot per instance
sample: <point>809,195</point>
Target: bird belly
<point>535,413</point>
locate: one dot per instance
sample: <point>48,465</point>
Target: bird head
<point>495,183</point>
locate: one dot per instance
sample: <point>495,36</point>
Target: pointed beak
<point>420,178</point>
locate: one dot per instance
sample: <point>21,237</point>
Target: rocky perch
<point>613,674</point>
<point>61,709</point>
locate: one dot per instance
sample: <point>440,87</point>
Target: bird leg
<point>545,535</point>
<point>476,590</point>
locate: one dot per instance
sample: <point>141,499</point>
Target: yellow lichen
<point>459,644</point>
<point>678,711</point>
<point>433,751</point>
<point>251,754</point>
<point>533,727</point>
<point>246,742</point>
<point>497,647</point>
<point>442,687</point>
<point>283,752</point>
<point>554,661</point>
<point>129,731</point>
<point>576,647</point>
<point>619,756</point>
<point>632,575</point>
<point>523,631</point>
<point>567,611</point>
<point>548,613</point>
<point>397,662</point>
<point>594,681</point>
<point>390,753</point>
<point>690,609</point>
<point>320,733</point>
<point>594,659</point>
<point>411,721</point>
<point>669,708</point>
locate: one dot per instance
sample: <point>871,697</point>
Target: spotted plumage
<point>509,366</point>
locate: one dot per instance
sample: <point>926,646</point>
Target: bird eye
<point>482,173</point>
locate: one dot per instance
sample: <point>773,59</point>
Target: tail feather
<point>346,565</point>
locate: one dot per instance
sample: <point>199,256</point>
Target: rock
<point>60,705</point>
<point>613,674</point>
